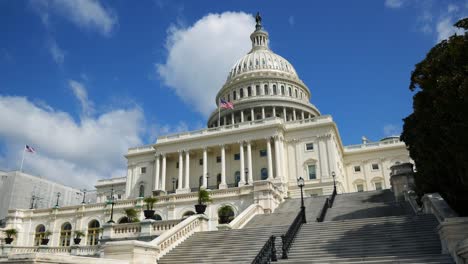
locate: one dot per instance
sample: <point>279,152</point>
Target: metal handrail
<point>325,207</point>
<point>290,235</point>
<point>268,252</point>
<point>332,198</point>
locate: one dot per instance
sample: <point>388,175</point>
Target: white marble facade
<point>272,136</point>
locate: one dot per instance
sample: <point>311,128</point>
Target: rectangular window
<point>375,166</point>
<point>234,95</point>
<point>357,168</point>
<point>177,165</point>
<point>378,186</point>
<point>309,146</point>
<point>360,187</point>
<point>143,170</point>
<point>263,153</point>
<point>312,173</point>
<point>237,156</point>
<point>200,161</point>
<point>119,196</point>
<point>218,159</point>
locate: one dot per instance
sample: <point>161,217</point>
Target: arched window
<point>257,90</point>
<point>264,173</point>
<point>225,214</point>
<point>65,235</point>
<point>274,89</point>
<point>93,232</point>
<point>141,193</point>
<point>187,214</point>
<point>290,91</point>
<point>282,89</point>
<point>234,95</point>
<point>296,92</point>
<point>156,217</point>
<point>249,91</point>
<point>40,230</point>
<point>237,177</point>
<point>241,93</point>
<point>266,90</point>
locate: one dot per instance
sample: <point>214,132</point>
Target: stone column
<point>263,112</point>
<point>294,114</point>
<point>128,184</point>
<point>163,172</point>
<point>252,113</point>
<point>223,184</point>
<point>205,168</point>
<point>242,168</point>
<point>302,115</point>
<point>283,160</point>
<point>224,119</point>
<point>242,115</point>
<point>232,117</point>
<point>270,160</point>
<point>249,162</point>
<point>274,111</point>
<point>284,114</point>
<point>277,159</point>
<point>156,172</point>
<point>181,171</point>
<point>187,170</point>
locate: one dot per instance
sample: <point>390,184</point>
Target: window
<point>357,168</point>
<point>65,235</point>
<point>241,93</point>
<point>177,165</point>
<point>93,232</point>
<point>237,156</point>
<point>290,91</point>
<point>296,93</point>
<point>311,171</point>
<point>378,186</point>
<point>263,153</point>
<point>218,159</point>
<point>234,95</point>
<point>257,90</point>
<point>282,89</point>
<point>143,170</point>
<point>249,91</point>
<point>40,234</point>
<point>119,196</point>
<point>229,97</point>
<point>218,179</point>
<point>375,166</point>
<point>237,177</point>
<point>141,192</point>
<point>360,188</point>
<point>309,146</point>
<point>266,90</point>
<point>264,173</point>
<point>200,161</point>
<point>274,89</point>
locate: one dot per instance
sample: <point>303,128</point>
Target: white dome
<point>259,60</point>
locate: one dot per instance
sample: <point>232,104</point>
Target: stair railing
<point>332,198</point>
<point>290,235</point>
<point>323,212</point>
<point>268,252</point>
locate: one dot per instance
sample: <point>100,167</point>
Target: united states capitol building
<point>248,157</point>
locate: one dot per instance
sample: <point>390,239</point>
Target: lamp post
<point>246,170</point>
<point>300,184</point>
<point>111,221</point>
<point>84,196</point>
<point>58,196</point>
<point>334,182</point>
<point>207,180</point>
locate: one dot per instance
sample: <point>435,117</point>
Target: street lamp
<point>58,196</point>
<point>246,177</point>
<point>207,180</point>
<point>111,221</point>
<point>300,184</point>
<point>334,182</point>
<point>84,196</point>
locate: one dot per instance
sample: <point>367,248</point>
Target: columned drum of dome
<point>261,85</point>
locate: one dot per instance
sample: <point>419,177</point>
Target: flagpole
<point>22,160</point>
<point>219,112</point>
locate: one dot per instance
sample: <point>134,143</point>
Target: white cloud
<point>88,14</point>
<point>391,130</point>
<point>72,152</point>
<point>445,29</point>
<point>81,94</point>
<point>452,8</point>
<point>393,3</point>
<point>291,21</point>
<point>56,52</point>
<point>200,56</point>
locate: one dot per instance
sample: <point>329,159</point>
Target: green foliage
<point>150,201</point>
<point>204,196</point>
<point>225,210</point>
<point>78,234</point>
<point>10,232</point>
<point>435,133</point>
<point>131,215</point>
<point>47,233</point>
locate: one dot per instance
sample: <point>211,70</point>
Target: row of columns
<point>294,116</point>
<point>184,184</point>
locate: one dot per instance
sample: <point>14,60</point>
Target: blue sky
<point>84,80</point>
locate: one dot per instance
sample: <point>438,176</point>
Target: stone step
<point>446,259</point>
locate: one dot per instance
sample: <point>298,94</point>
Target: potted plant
<point>45,239</point>
<point>150,201</point>
<point>225,214</point>
<point>131,215</point>
<point>203,199</point>
<point>78,235</point>
<point>10,233</point>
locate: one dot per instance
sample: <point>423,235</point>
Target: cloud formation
<point>199,57</point>
<point>73,152</point>
<point>79,90</point>
<point>58,55</point>
<point>391,130</point>
<point>393,3</point>
<point>86,14</point>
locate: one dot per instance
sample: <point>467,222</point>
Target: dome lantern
<point>259,37</point>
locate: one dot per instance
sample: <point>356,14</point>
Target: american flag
<point>30,149</point>
<point>226,105</point>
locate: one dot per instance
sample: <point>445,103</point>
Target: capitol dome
<point>262,85</point>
